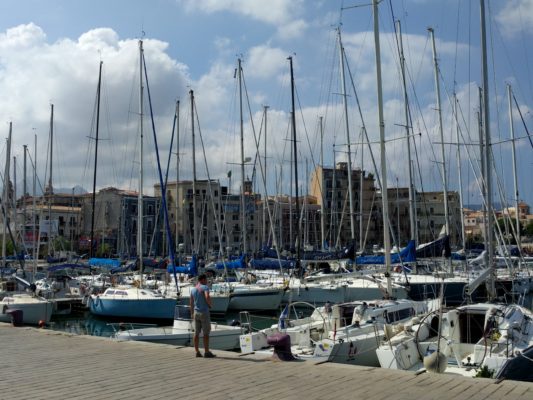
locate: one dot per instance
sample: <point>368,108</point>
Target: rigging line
<point>500,151</point>
<point>209,180</point>
<point>305,129</point>
<point>251,123</point>
<point>163,188</point>
<point>525,48</point>
<point>456,46</point>
<point>378,177</point>
<point>107,109</point>
<point>523,121</point>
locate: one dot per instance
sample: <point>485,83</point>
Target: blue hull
<point>141,308</point>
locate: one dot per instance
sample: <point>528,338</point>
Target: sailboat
<point>478,339</point>
<point>134,301</point>
<point>21,307</point>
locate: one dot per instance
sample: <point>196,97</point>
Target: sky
<point>50,54</point>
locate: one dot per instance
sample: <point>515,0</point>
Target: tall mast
<point>25,190</point>
<point>322,206</point>
<point>515,175</point>
<point>195,247</point>
<point>347,128</point>
<point>14,199</point>
<point>297,244</point>
<point>488,163</point>
<point>381,123</point>
<point>443,157</point>
<point>141,171</point>
<point>177,170</point>
<point>265,202</point>
<point>5,200</point>
<point>463,239</point>
<point>412,209</point>
<point>36,240</point>
<point>243,204</point>
<point>50,187</point>
<point>483,167</point>
<point>91,251</point>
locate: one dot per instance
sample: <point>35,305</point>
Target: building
<point>52,223</point>
<point>115,223</point>
<point>218,217</point>
<point>431,216</point>
<point>330,187</point>
<point>285,229</point>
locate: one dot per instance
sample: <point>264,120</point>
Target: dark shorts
<point>202,322</point>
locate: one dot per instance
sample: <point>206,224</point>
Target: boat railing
<point>245,322</point>
<point>126,326</point>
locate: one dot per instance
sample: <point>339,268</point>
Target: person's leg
<point>206,343</point>
<point>196,340</point>
<point>196,337</point>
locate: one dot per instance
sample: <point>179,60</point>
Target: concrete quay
<point>44,364</point>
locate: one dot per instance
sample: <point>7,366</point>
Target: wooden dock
<point>43,364</point>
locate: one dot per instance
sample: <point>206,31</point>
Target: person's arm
<point>208,298</point>
<point>191,301</point>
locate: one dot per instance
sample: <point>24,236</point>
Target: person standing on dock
<point>200,302</point>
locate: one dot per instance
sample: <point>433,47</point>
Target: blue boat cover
<point>437,249</point>
<point>67,266</point>
<point>124,268</point>
<point>408,254</point>
<point>239,263</point>
<point>270,263</point>
<point>104,262</point>
<point>191,268</point>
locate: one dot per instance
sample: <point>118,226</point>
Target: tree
<point>528,231</point>
<point>104,250</point>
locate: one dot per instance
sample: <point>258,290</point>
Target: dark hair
<point>202,276</point>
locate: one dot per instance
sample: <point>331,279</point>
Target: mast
<point>381,123</point>
<point>243,201</point>
<point>25,189</point>
<point>443,157</point>
<point>141,171</point>
<point>515,176</point>
<point>483,166</point>
<point>195,247</point>
<point>50,187</point>
<point>487,150</point>
<point>347,129</point>
<point>265,202</point>
<point>322,207</point>
<point>412,209</point>
<point>5,200</point>
<point>297,244</point>
<point>36,241</point>
<point>463,239</point>
<point>14,199</point>
<point>91,251</point>
<point>177,172</point>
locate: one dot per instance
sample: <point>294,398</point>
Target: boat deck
<point>44,364</point>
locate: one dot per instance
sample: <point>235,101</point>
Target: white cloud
<point>292,29</point>
<point>22,36</point>
<point>265,61</point>
<point>516,16</point>
<point>34,73</point>
<point>283,14</point>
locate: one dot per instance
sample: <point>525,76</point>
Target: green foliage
<point>484,372</point>
<point>104,250</point>
<point>529,229</point>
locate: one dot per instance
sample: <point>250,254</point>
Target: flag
<point>283,317</point>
